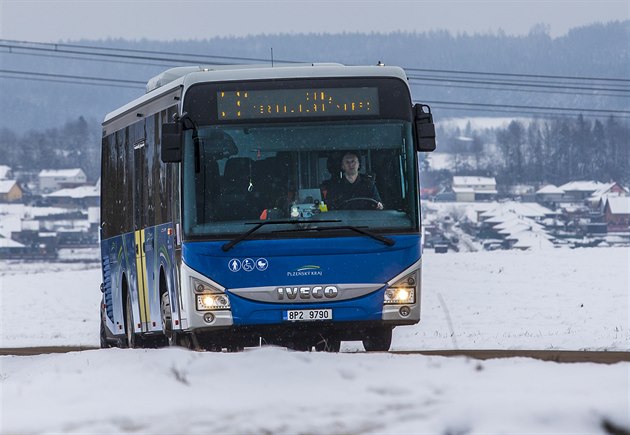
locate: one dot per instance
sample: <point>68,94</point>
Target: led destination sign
<point>292,103</point>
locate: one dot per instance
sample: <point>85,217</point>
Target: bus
<point>218,226</point>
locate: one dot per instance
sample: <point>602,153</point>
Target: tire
<point>167,320</point>
<point>378,339</point>
<point>104,343</point>
<point>132,338</point>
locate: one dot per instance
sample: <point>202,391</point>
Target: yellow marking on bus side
<point>140,275</point>
<point>145,285</point>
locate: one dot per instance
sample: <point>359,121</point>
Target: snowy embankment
<point>559,299</point>
<point>272,390</point>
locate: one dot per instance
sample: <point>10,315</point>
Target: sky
<point>71,20</point>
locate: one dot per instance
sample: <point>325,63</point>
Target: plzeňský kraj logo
<point>307,270</point>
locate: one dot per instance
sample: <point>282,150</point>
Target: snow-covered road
<point>562,299</point>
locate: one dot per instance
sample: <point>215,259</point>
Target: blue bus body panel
<point>259,263</point>
<point>120,266</point>
<point>118,258</point>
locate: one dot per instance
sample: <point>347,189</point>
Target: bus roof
<point>184,77</point>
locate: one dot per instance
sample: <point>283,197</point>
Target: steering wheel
<point>373,204</point>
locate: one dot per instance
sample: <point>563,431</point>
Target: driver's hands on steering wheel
<point>376,205</point>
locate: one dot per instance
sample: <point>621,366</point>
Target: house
<point>597,200</point>
<point>77,197</point>
<point>617,214</point>
<point>468,189</point>
<point>51,180</point>
<point>580,190</point>
<point>10,191</point>
<point>549,194</point>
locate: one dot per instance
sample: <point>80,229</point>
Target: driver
<point>353,190</point>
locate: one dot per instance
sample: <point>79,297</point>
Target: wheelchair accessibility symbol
<point>248,265</point>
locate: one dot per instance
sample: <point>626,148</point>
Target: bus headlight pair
<point>402,291</point>
<point>209,298</point>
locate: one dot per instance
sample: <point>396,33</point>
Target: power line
<point>521,112</point>
<point>179,57</point>
<point>491,73</point>
<point>445,105</point>
<point>66,76</point>
<point>515,106</point>
<point>451,105</point>
<point>11,44</point>
<point>533,91</point>
<point>117,61</point>
<point>70,82</point>
<point>485,82</point>
<point>132,50</point>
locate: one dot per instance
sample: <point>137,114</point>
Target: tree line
<point>542,151</point>
<point>75,144</point>
<point>537,151</point>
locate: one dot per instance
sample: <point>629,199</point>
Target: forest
<point>529,151</point>
<point>560,92</point>
<point>542,151</point>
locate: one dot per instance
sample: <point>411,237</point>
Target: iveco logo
<point>316,292</point>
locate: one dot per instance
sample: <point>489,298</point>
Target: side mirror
<point>171,144</point>
<point>424,129</point>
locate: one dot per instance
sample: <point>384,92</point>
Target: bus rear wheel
<point>378,339</point>
<point>104,343</point>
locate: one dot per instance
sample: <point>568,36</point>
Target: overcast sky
<point>68,20</point>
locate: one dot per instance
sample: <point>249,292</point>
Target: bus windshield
<point>357,173</point>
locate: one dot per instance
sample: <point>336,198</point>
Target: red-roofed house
<point>617,213</point>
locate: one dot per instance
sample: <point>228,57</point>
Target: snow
<point>67,173</point>
<point>550,188</point>
<point>4,172</point>
<point>474,181</point>
<point>619,205</point>
<point>8,243</point>
<point>560,299</point>
<point>76,192</point>
<point>527,209</point>
<point>6,185</point>
<point>583,186</point>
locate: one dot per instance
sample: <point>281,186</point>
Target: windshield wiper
<point>360,230</point>
<point>229,245</point>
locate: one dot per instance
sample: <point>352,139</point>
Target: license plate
<point>307,315</point>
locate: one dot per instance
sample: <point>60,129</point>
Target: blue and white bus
<point>218,230</point>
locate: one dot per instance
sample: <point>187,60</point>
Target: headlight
<point>207,302</point>
<point>403,291</point>
<point>209,297</point>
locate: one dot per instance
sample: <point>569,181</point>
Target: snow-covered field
<point>557,299</point>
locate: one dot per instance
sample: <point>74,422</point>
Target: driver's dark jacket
<point>341,190</point>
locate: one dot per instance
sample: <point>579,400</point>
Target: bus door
<point>139,201</point>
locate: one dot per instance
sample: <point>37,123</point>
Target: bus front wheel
<point>378,339</point>
<point>167,320</point>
